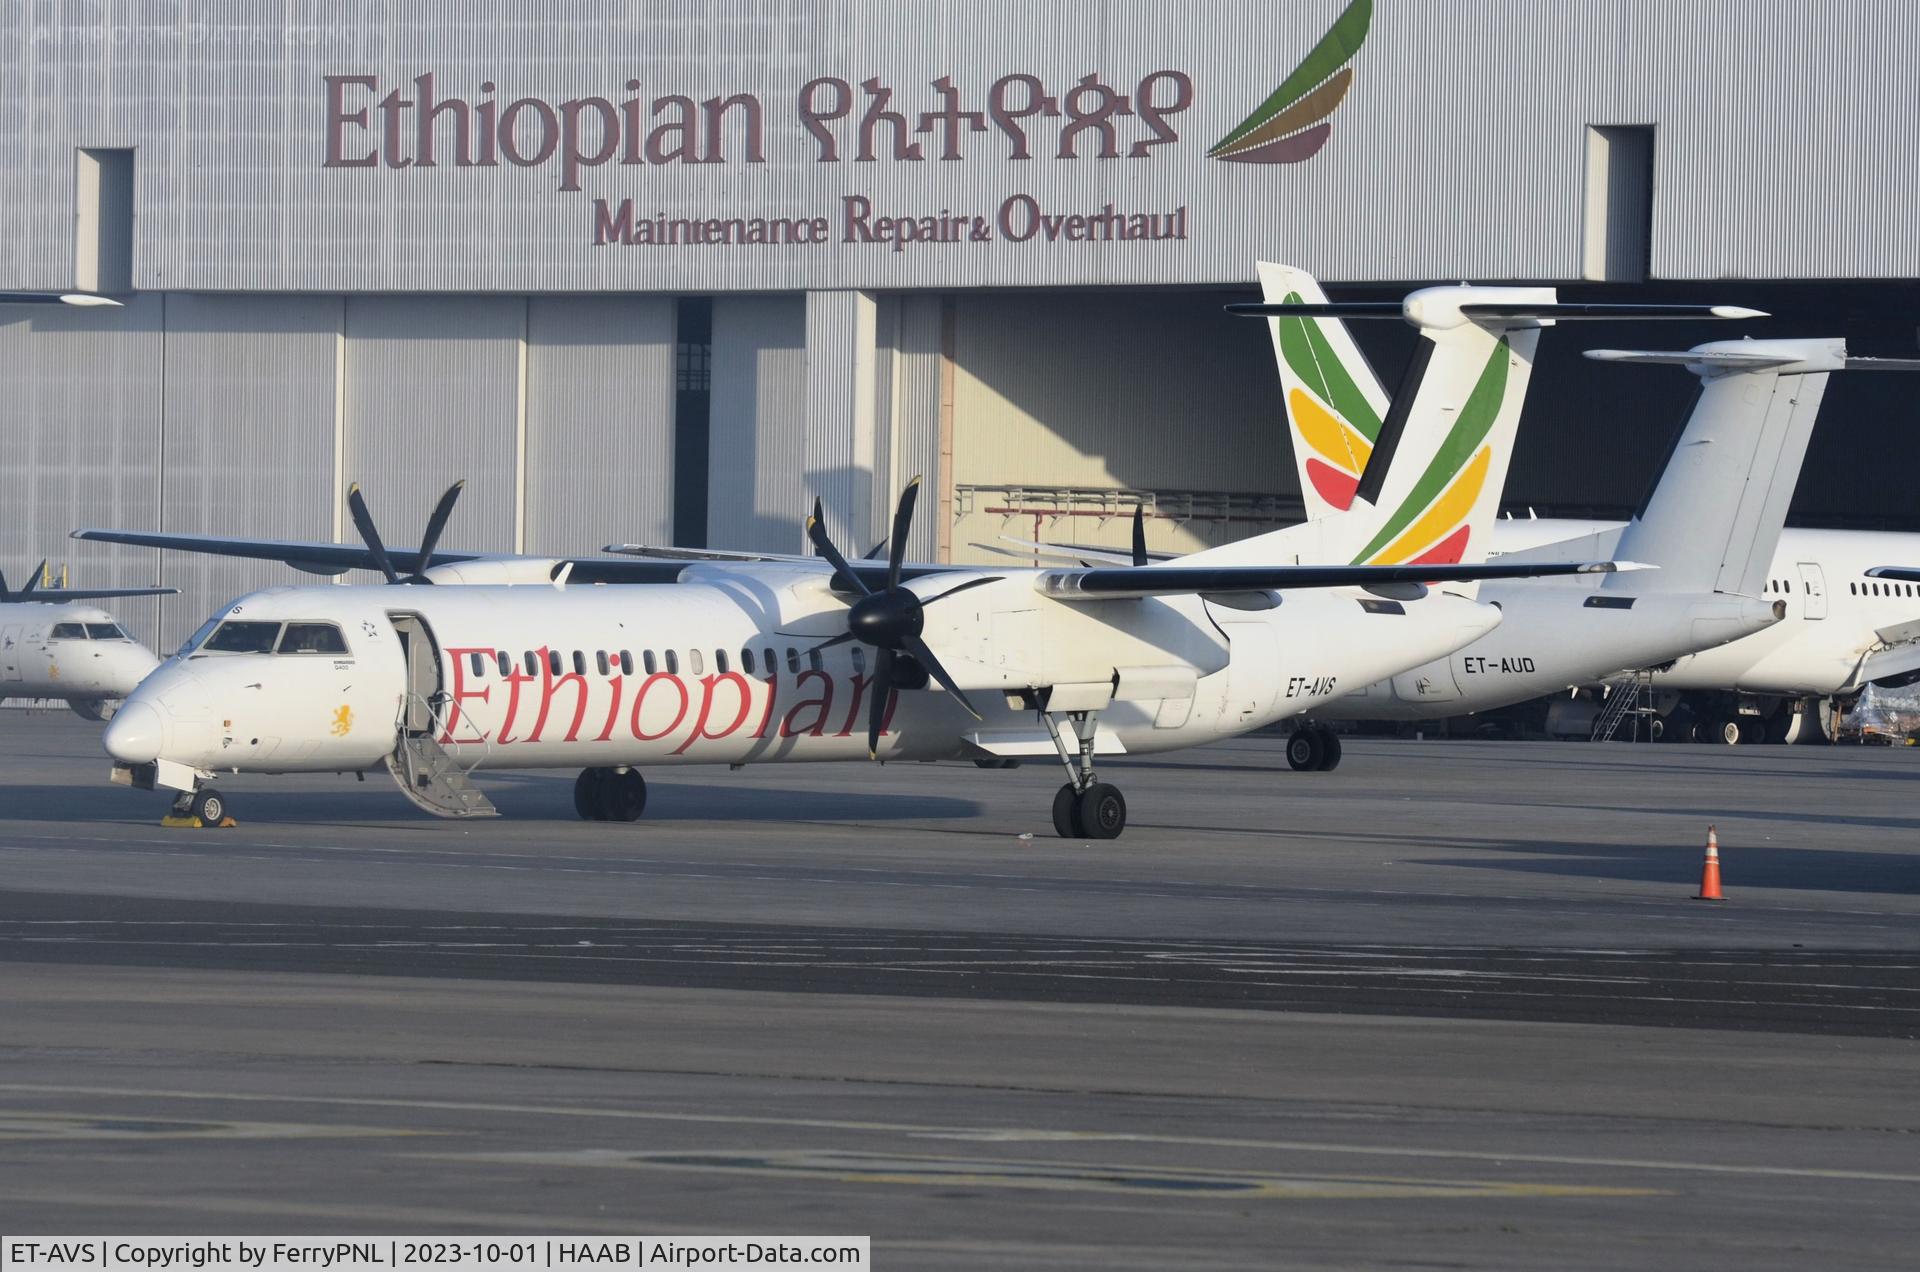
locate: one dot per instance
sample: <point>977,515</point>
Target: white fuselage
<point>74,652</point>
<point>1551,639</point>
<point>719,669</point>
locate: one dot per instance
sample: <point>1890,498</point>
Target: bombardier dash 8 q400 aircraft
<point>51,647</point>
<point>1843,627</point>
<point>523,662</point>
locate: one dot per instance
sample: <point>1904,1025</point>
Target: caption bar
<point>445,1254</point>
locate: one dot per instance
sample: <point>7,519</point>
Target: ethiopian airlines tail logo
<point>1291,125</point>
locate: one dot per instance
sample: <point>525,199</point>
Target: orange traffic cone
<point>1710,872</point>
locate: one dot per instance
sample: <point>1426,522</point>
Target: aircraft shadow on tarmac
<point>522,797</point>
<point>1743,865</point>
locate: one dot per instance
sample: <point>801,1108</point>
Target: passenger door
<point>1813,584</point>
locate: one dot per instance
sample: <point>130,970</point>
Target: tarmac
<point>1451,1005</point>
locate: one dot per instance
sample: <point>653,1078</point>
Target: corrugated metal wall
<point>80,428</point>
<point>600,405</point>
<point>249,449</point>
<point>757,497</point>
<point>839,448</point>
<point>432,396</point>
<point>913,386</point>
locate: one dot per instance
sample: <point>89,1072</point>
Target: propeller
<point>370,534</point>
<point>889,621</point>
<point>25,593</point>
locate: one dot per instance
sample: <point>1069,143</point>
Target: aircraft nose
<point>136,734</point>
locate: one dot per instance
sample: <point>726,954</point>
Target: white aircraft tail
<point>1713,518</point>
<point>1422,475</point>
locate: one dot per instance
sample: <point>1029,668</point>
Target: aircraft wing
<point>58,595</point>
<point>1175,580</point>
<point>314,558</point>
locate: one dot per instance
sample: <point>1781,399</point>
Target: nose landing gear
<point>1085,808</point>
<point>203,808</point>
<point>609,794</point>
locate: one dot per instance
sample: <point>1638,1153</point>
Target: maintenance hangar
<point>663,273</point>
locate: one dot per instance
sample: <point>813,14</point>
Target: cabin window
<point>505,663</point>
<point>720,661</point>
<point>746,660</point>
<point>626,662</point>
<point>793,660</point>
<point>579,663</point>
<point>479,667</point>
<point>533,663</point>
<point>316,638</point>
<point>243,638</point>
<point>859,659</point>
<point>600,661</point>
<point>646,660</point>
<point>772,664</point>
<point>673,663</point>
<point>1853,589</point>
<point>105,631</point>
<point>553,661</point>
<point>695,661</point>
<point>813,658</point>
<point>68,631</point>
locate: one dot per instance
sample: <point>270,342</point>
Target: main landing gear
<point>1313,747</point>
<point>610,794</point>
<point>1085,808</point>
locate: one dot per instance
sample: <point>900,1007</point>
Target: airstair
<point>428,775</point>
<point>1631,699</point>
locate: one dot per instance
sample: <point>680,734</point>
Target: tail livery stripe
<point>1447,512</point>
<point>1476,420</point>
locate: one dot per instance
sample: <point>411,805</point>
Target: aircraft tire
<point>1305,750</point>
<point>1730,731</point>
<point>1102,811</point>
<point>586,795</point>
<point>1330,743</point>
<point>1066,813</point>
<point>209,805</point>
<point>621,796</point>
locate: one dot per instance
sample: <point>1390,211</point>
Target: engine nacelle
<point>497,571</point>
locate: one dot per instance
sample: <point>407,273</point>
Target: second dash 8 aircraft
<point>608,664</point>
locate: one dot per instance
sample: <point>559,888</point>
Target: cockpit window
<point>194,641</point>
<point>242,638</point>
<point>105,631</point>
<point>312,638</point>
<point>68,631</point>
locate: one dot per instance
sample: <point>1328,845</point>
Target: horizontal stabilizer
<point>1725,358</point>
<point>1883,364</point>
<point>1318,309</point>
<point>1178,580</point>
<point>1570,312</point>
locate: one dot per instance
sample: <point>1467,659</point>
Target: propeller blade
<point>918,648</point>
<point>958,588</point>
<point>874,553</point>
<point>878,692</point>
<point>1139,534</point>
<point>841,639</point>
<point>817,533</point>
<point>33,580</point>
<point>436,524</point>
<point>902,522</point>
<point>363,522</point>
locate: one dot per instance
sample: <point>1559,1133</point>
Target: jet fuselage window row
<point>252,636</point>
<point>86,631</point>
<point>608,662</point>
<point>1881,589</point>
